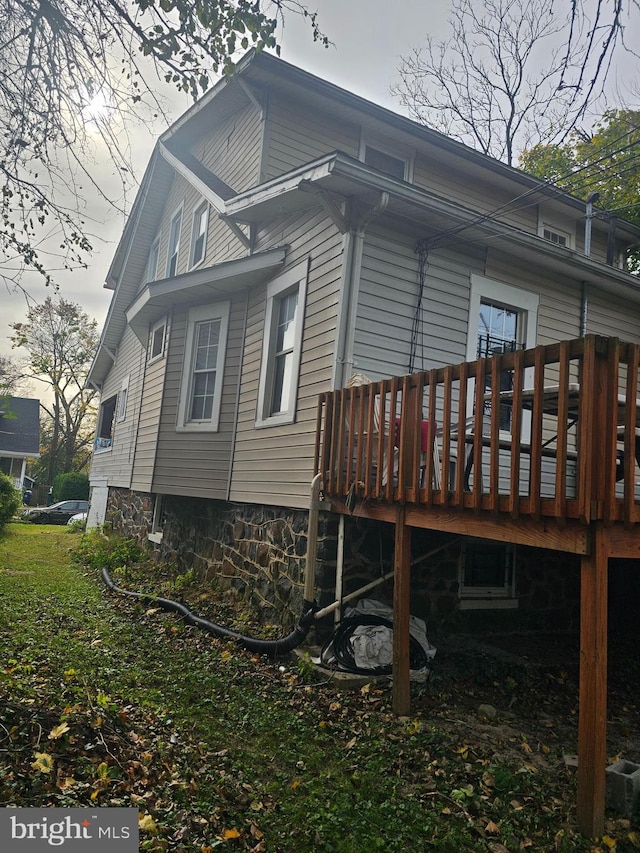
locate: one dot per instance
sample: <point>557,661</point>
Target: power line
<point>509,206</point>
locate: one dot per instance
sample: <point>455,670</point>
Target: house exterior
<point>19,437</point>
<point>288,235</point>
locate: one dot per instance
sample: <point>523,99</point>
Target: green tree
<point>606,161</point>
<point>74,69</point>
<point>71,486</point>
<point>61,340</point>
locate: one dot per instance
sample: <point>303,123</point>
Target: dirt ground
<point>532,682</point>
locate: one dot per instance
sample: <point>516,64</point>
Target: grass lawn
<point>108,702</point>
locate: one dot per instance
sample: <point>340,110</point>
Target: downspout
<point>584,309</point>
<point>312,542</point>
<point>592,198</point>
<point>339,566</point>
<point>348,308</point>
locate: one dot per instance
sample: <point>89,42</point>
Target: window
<point>152,262</point>
<point>199,235</point>
<point>487,574</point>
<point>281,348</point>
<point>122,399</point>
<point>157,338</point>
<point>502,318</point>
<point>384,162</point>
<point>174,245</point>
<point>555,235</point>
<point>201,387</point>
<point>104,439</point>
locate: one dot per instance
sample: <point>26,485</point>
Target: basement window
<point>487,575</point>
<point>157,521</point>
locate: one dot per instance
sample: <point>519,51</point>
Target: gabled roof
<point>19,426</point>
<point>260,71</point>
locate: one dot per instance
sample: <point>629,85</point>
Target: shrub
<point>10,500</point>
<point>71,487</point>
<point>112,552</point>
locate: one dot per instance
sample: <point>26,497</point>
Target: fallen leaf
<point>492,828</point>
<point>147,824</point>
<point>610,842</point>
<point>230,833</point>
<point>43,762</point>
<point>58,731</point>
<point>352,743</point>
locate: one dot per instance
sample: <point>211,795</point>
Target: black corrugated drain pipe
<point>282,646</point>
<point>265,647</point>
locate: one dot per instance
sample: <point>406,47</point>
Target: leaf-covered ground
<point>107,702</point>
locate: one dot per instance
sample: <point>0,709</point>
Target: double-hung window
<point>199,235</point>
<point>502,318</point>
<point>174,244</point>
<point>201,387</point>
<point>282,347</point>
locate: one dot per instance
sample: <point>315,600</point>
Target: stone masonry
<point>260,551</point>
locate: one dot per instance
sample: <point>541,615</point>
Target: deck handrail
<point>561,442</point>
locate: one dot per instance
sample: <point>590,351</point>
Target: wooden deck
<point>549,462</point>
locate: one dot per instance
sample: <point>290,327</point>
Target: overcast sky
<point>369,37</point>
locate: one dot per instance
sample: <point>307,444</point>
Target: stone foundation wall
<point>260,552</point>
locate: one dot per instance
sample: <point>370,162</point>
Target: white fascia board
<point>205,191</point>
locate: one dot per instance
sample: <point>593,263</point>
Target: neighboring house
<point>288,234</point>
<point>19,437</point>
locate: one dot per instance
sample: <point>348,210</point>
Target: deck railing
<point>561,443</point>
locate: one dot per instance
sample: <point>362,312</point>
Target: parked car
<point>78,518</point>
<point>59,513</point>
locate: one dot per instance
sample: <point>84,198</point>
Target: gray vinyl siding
<point>197,463</point>
<point>232,150</point>
<point>560,298</point>
<point>297,135</point>
<point>612,316</point>
<point>149,420</point>
<point>116,464</point>
<point>387,300</point>
<point>274,465</point>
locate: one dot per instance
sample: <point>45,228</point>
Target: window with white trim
<point>199,235</point>
<point>502,318</point>
<point>157,339</point>
<point>553,234</point>
<point>202,374</point>
<point>152,261</point>
<point>282,348</point>
<point>174,244</point>
<point>487,574</point>
<point>122,399</point>
<point>106,417</point>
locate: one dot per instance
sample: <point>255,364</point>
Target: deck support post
<point>401,611</point>
<point>592,725</point>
